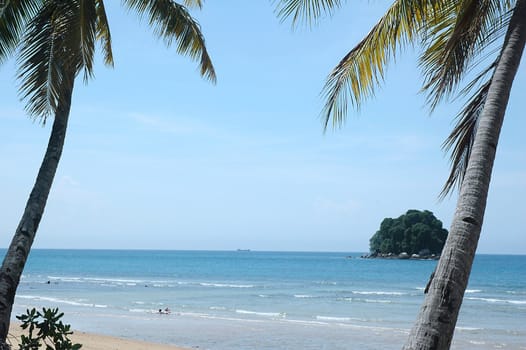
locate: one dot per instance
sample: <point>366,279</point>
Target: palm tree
<point>454,34</point>
<point>55,41</point>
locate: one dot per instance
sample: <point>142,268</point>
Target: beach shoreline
<point>94,341</point>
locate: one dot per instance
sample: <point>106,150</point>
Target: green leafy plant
<point>45,329</point>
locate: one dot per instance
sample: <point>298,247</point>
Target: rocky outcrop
<point>403,256</point>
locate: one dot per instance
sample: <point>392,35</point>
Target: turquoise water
<point>268,300</point>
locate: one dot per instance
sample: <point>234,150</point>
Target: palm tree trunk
<point>16,256</point>
<point>436,322</point>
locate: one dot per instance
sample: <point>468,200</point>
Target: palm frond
<point>194,3</point>
<point>356,76</point>
<point>47,58</point>
<point>460,141</point>
<point>171,21</point>
<point>308,11</point>
<point>87,24</point>
<point>460,33</point>
<point>14,15</point>
<point>103,32</point>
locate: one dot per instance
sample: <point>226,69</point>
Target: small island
<point>413,235</point>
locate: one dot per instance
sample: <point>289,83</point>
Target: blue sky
<point>158,158</point>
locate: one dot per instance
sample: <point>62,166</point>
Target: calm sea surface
<point>268,300</point>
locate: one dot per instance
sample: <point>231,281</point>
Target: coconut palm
<point>55,41</point>
<point>453,35</point>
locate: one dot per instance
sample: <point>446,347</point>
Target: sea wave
<point>66,279</point>
<point>303,296</point>
<point>128,282</point>
<point>112,281</point>
<point>138,310</point>
<point>468,291</point>
<point>381,301</point>
<point>495,300</point>
<point>225,285</point>
<point>327,283</point>
<point>265,314</point>
<point>471,291</point>
<point>334,319</point>
<point>360,300</point>
<point>377,293</point>
<point>468,329</point>
<point>516,292</point>
<point>477,342</point>
<point>61,301</point>
<point>217,308</point>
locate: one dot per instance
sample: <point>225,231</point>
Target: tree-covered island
<point>415,234</point>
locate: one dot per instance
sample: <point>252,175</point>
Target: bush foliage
<point>412,233</point>
<point>45,329</point>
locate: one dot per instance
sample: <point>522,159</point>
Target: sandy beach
<point>92,341</point>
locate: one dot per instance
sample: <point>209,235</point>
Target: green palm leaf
<point>171,21</point>
<point>103,32</point>
<point>305,10</point>
<point>457,36</point>
<point>460,141</point>
<point>87,26</point>
<point>47,57</point>
<point>13,17</point>
<point>194,3</point>
<point>356,76</point>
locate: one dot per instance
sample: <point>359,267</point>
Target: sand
<point>91,341</point>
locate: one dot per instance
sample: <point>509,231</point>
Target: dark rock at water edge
<point>402,256</point>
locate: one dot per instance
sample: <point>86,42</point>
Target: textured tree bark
<point>18,251</point>
<point>436,322</point>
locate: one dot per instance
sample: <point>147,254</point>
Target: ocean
<point>237,300</point>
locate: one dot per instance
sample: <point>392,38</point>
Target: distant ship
<point>243,250</point>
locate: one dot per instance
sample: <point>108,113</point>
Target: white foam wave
<point>60,301</point>
<point>381,301</point>
<point>65,279</point>
<point>303,296</point>
<point>377,293</point>
<point>518,292</point>
<point>217,308</point>
<point>140,310</point>
<point>113,280</point>
<point>471,291</point>
<point>117,281</point>
<point>333,319</point>
<point>468,329</point>
<point>477,342</point>
<point>495,300</point>
<point>225,285</point>
<point>265,314</point>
